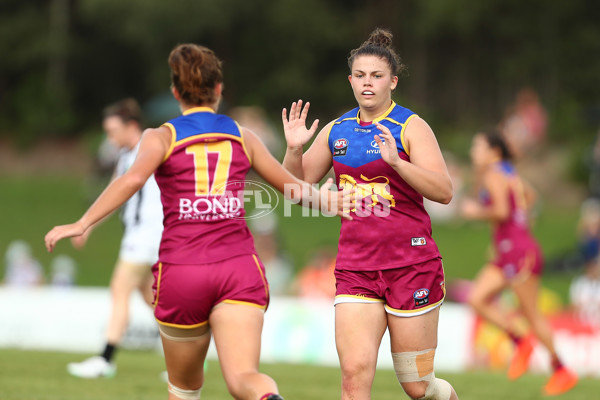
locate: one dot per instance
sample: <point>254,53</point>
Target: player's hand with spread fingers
<point>387,145</point>
<point>336,202</point>
<point>62,231</point>
<point>294,125</point>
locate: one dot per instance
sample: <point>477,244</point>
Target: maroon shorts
<point>405,292</point>
<point>518,259</point>
<point>184,295</point>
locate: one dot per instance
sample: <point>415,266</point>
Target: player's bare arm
<point>153,148</point>
<point>317,161</point>
<point>499,210</point>
<point>275,174</point>
<point>426,172</point>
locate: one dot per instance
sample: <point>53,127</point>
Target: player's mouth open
<point>368,93</point>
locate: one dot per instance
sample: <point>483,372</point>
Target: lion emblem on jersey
<point>370,188</point>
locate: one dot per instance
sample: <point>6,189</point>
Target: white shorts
<point>140,244</point>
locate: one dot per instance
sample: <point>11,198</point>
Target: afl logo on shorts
<point>340,147</point>
<point>421,297</point>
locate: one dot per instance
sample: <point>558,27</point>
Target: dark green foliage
<point>62,60</point>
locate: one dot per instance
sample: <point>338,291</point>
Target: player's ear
<point>394,82</point>
<point>175,93</point>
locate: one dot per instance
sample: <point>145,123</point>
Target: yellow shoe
<point>561,381</point>
<point>520,361</point>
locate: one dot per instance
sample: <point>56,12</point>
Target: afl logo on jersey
<point>418,241</point>
<point>340,147</point>
<point>421,297</point>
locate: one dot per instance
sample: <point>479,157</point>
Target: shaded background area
<point>62,60</point>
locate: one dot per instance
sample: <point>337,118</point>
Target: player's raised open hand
<point>387,145</point>
<point>294,125</point>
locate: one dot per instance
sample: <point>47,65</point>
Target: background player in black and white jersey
<point>142,219</point>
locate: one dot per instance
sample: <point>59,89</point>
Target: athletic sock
<point>271,396</point>
<point>516,339</point>
<point>556,363</point>
<point>109,351</point>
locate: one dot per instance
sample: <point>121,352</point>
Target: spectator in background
<point>585,294</point>
<point>63,270</point>
<point>317,279</point>
<point>588,230</point>
<point>585,289</point>
<point>525,124</point>
<point>266,242</point>
<point>22,269</point>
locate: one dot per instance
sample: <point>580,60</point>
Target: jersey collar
<point>381,117</point>
<point>198,109</point>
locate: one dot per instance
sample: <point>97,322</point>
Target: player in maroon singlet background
<point>504,201</point>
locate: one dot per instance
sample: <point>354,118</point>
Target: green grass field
<point>28,375</point>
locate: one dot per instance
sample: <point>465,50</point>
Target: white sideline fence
<point>296,330</point>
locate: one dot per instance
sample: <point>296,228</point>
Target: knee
<point>356,368</point>
<point>415,390</point>
<point>414,371</point>
<point>434,389</point>
<point>239,383</point>
<point>234,384</point>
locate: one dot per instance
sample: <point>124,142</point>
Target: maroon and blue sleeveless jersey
<point>390,227</point>
<point>201,182</point>
<point>516,227</point>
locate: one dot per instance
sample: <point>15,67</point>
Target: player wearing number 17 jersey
<point>208,278</point>
<point>203,206</point>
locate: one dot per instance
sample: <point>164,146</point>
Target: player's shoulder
<point>400,113</point>
<point>351,115</point>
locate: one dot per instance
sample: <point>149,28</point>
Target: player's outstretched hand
<point>60,232</point>
<point>387,145</point>
<point>294,126</point>
<point>336,202</point>
<point>79,241</point>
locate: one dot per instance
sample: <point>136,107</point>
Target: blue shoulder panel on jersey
<point>507,167</point>
<point>199,123</point>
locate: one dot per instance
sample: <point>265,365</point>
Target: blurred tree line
<point>61,61</point>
